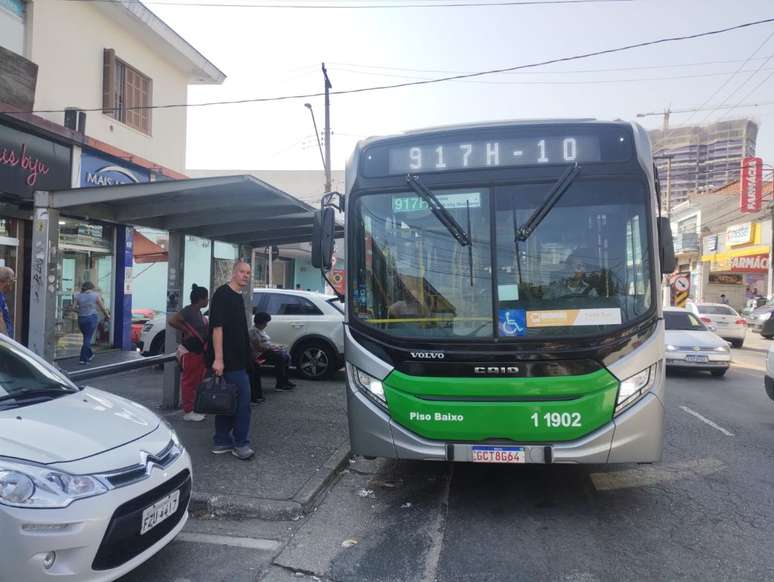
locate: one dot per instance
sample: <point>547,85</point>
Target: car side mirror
<point>666,246</point>
<point>323,238</point>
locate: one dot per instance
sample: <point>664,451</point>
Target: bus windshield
<point>583,271</point>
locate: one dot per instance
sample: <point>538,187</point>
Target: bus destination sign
<point>470,155</point>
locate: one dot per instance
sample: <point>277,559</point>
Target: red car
<point>139,318</point>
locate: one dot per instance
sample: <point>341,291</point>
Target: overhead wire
<point>580,56</point>
<point>333,6</point>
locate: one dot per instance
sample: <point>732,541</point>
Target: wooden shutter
<point>109,83</point>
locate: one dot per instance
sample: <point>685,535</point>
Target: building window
<point>126,93</point>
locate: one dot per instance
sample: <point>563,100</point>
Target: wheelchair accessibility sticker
<point>513,322</point>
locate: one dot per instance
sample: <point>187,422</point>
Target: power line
<point>352,6</point>
<point>727,81</point>
<point>441,79</point>
<point>573,72</point>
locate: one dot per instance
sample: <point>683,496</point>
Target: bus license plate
<point>159,511</point>
<point>498,455</point>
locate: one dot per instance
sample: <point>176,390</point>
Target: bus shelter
<point>241,210</point>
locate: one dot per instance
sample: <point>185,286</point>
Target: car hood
<point>73,427</point>
<point>702,339</point>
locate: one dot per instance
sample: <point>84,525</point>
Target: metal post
<point>328,86</point>
<point>43,277</point>
<point>175,273</point>
<point>669,185</point>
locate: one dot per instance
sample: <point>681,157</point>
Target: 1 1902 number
<point>557,419</point>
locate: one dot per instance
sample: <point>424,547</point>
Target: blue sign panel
<point>513,322</point>
<point>99,171</point>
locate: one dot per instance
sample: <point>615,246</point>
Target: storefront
<point>28,162</point>
<point>739,270</point>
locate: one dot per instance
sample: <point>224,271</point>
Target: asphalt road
<point>706,512</point>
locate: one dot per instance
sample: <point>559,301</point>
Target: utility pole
<point>328,87</point>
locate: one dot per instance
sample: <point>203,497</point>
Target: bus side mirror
<point>666,246</point>
<point>323,238</point>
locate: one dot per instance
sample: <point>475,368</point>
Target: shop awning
<point>147,251</point>
<point>235,209</point>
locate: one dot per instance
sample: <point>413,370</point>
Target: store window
<point>86,254</point>
<point>9,257</point>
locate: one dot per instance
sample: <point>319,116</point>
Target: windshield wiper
<point>22,395</point>
<point>564,182</point>
<point>443,215</point>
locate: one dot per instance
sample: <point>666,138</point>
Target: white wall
<point>11,26</point>
<point>68,39</point>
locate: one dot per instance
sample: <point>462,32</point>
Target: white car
<point>153,336</point>
<point>91,484</point>
<point>690,345</point>
<point>310,324</point>
<point>727,322</point>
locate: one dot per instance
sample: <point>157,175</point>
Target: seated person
<point>275,355</point>
<point>576,284</point>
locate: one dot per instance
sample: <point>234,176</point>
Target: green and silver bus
<point>503,293</point>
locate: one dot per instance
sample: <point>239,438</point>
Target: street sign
<point>751,185</point>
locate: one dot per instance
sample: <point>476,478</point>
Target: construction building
<point>701,158</point>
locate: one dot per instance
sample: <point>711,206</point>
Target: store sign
<point>752,185</point>
<point>29,163</point>
<point>739,234</point>
<point>97,171</point>
<point>711,243</point>
<point>726,279</point>
<point>750,264</point>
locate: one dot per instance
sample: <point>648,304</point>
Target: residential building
<point>701,158</point>
<point>122,57</point>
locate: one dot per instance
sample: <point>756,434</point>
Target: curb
<point>243,507</point>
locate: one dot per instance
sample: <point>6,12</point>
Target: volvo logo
<point>496,370</point>
<point>428,355</point>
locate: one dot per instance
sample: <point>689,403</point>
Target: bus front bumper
<point>634,436</point>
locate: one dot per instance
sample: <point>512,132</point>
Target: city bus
<point>503,296</point>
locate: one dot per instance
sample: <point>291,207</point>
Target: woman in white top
<point>87,302</point>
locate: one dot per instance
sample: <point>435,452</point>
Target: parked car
<point>690,345</point>
<point>91,484</point>
<point>768,379</point>
<point>759,318</point>
<point>727,322</point>
<point>310,324</point>
<point>153,336</point>
<point>139,318</point>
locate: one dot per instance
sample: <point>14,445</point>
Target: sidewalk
<point>300,439</point>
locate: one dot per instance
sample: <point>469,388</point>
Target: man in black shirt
<point>230,355</point>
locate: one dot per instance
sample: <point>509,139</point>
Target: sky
<point>267,52</point>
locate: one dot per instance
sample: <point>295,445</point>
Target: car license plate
<point>695,358</point>
<point>498,455</point>
<point>159,511</point>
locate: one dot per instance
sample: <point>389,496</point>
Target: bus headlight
<point>367,383</point>
<point>634,388</point>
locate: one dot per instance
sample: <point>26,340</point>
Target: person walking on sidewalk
<point>7,278</point>
<point>87,302</point>
<point>229,351</point>
<point>275,355</point>
<point>193,326</point>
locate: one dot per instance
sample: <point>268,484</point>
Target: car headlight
<point>39,487</point>
<point>723,349</point>
<point>635,387</point>
<point>671,348</point>
<point>367,383</point>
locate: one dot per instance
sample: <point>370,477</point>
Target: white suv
<point>310,324</point>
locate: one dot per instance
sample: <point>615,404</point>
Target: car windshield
<point>716,310</point>
<point>682,321</point>
<point>24,375</point>
<point>763,309</point>
<point>584,270</point>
